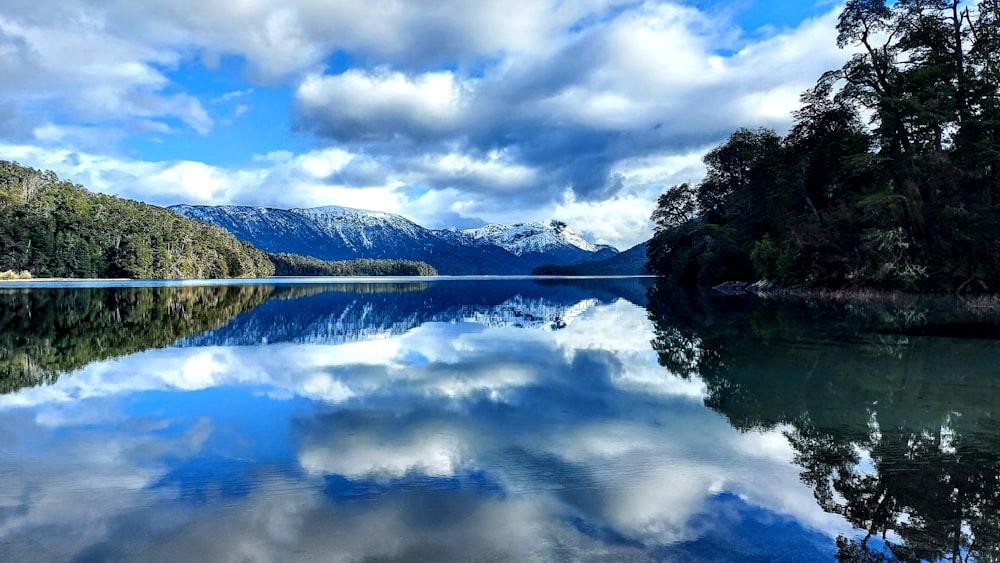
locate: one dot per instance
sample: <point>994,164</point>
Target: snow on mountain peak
<point>342,233</point>
<point>521,238</point>
<point>346,219</point>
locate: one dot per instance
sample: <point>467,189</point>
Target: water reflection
<point>895,432</point>
<point>344,313</point>
<point>507,420</point>
<point>47,332</point>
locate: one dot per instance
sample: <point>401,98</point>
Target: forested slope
<point>54,228</point>
<point>889,178</point>
<point>631,262</point>
<point>295,265</point>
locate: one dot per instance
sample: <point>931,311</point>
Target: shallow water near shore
<point>490,419</point>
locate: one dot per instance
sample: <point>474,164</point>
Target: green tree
<point>910,200</point>
<point>55,228</point>
<point>296,265</point>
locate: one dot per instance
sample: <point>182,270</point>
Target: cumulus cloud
<point>475,112</point>
<point>162,183</point>
<point>380,105</point>
<point>61,61</point>
<point>597,122</point>
<point>647,83</point>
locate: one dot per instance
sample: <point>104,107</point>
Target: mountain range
<point>342,233</point>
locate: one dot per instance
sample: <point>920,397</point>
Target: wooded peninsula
<point>889,178</point>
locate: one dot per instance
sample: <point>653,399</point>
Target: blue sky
<point>447,112</point>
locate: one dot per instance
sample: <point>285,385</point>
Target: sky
<point>448,112</point>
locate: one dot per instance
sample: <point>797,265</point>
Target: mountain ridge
<point>627,262</point>
<point>342,233</point>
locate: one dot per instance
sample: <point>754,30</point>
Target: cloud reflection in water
<point>458,439</point>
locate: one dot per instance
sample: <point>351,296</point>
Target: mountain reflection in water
<point>486,420</point>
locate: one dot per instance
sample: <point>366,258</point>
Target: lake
<point>491,420</point>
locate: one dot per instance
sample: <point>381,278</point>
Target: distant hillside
<point>54,228</point>
<point>340,233</point>
<point>628,263</point>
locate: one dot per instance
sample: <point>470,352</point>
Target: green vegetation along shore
<point>54,228</point>
<point>889,178</point>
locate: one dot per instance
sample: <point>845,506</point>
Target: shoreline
<point>66,279</point>
<point>879,298</point>
<point>286,280</point>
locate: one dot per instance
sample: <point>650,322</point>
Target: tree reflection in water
<point>47,332</point>
<point>893,430</point>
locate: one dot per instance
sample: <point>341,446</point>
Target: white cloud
<point>69,62</point>
<point>381,104</point>
<point>614,114</point>
<point>616,221</point>
<point>496,170</point>
<point>478,112</point>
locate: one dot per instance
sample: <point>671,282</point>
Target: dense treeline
<point>54,228</point>
<point>910,199</point>
<point>295,265</point>
<point>48,332</point>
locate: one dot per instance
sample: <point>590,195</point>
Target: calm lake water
<point>491,420</point>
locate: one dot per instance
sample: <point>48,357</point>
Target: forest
<point>296,265</point>
<point>54,228</point>
<point>889,177</point>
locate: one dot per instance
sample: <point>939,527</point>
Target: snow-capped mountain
<point>548,238</point>
<point>522,238</point>
<point>342,233</point>
<point>331,233</point>
<point>550,242</point>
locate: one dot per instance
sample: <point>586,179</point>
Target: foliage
<point>770,260</point>
<point>54,228</point>
<point>890,261</point>
<point>628,263</point>
<point>295,265</point>
<point>910,200</point>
